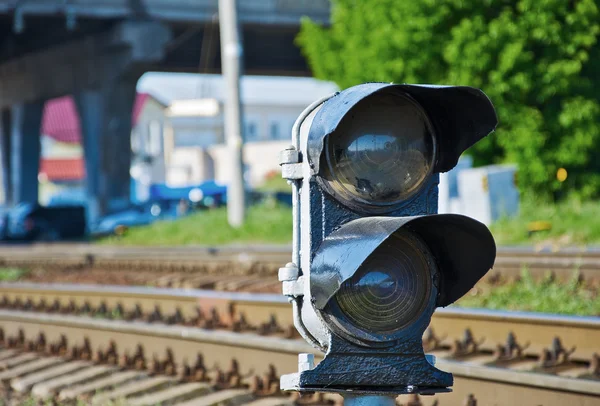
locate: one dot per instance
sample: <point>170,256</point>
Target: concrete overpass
<point>97,50</point>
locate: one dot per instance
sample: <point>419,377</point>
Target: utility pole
<point>231,56</point>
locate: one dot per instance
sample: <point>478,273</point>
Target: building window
<point>135,141</point>
<point>275,135</point>
<point>190,137</point>
<point>153,145</point>
<point>251,132</point>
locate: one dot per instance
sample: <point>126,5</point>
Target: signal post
<point>372,258</point>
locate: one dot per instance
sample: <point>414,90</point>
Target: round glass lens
<point>382,151</point>
<point>390,290</point>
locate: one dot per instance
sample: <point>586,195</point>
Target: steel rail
<point>478,330</point>
<point>489,385</point>
<point>513,250</point>
<point>239,259</point>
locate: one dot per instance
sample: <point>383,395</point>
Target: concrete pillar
<point>105,116</point>
<point>5,184</point>
<point>20,152</point>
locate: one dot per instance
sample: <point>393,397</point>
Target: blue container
<point>208,189</point>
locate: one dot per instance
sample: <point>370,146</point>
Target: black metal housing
<point>363,205</point>
<point>336,239</point>
<point>463,248</point>
<point>461,116</point>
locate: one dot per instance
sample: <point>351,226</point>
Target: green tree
<point>538,60</point>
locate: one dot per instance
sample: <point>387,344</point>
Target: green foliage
<point>264,224</point>
<point>12,274</point>
<point>536,59</point>
<point>275,183</point>
<point>545,296</point>
<point>573,223</point>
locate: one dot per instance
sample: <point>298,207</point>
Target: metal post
<point>26,121</point>
<point>5,156</point>
<point>231,56</point>
<point>369,400</point>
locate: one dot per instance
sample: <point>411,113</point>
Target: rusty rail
<point>265,260</point>
<point>483,331</point>
<point>235,361</point>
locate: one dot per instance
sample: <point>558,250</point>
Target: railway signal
<point>371,258</point>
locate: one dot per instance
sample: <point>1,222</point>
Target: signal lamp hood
<point>463,248</point>
<point>461,116</point>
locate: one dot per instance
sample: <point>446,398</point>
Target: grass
<point>264,224</point>
<point>545,296</point>
<point>572,223</point>
<point>275,183</point>
<point>12,274</point>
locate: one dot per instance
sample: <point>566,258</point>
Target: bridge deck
<point>277,12</point>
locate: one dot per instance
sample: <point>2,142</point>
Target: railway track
<point>248,268</point>
<point>239,343</point>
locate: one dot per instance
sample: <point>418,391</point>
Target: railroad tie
<point>18,360</point>
<point>30,367</point>
<point>524,365</point>
<point>482,359</point>
<point>574,372</point>
<point>99,384</point>
<point>227,397</point>
<point>264,285</point>
<point>239,284</point>
<point>203,281</point>
<point>7,353</point>
<point>131,389</point>
<point>50,387</point>
<point>171,394</point>
<point>272,402</point>
<point>23,384</point>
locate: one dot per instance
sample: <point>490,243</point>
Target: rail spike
<point>471,400</point>
<point>467,345</point>
<point>511,350</point>
<point>556,355</point>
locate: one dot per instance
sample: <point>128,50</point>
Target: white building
<point>147,144</point>
<point>193,138</point>
<point>487,194</point>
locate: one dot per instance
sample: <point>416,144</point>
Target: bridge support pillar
<point>105,115</point>
<point>5,151</point>
<point>20,145</point>
<point>101,70</point>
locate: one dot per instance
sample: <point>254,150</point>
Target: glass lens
<point>390,290</point>
<point>381,152</point>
